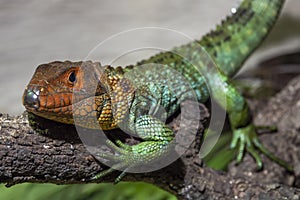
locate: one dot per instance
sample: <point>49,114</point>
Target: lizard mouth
<point>60,106</point>
<point>35,101</point>
<point>57,107</point>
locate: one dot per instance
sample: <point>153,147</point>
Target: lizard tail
<point>240,34</point>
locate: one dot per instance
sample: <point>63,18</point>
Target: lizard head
<point>60,91</point>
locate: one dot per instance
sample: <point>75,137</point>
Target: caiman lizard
<point>115,102</point>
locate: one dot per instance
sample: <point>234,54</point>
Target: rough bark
<point>58,156</point>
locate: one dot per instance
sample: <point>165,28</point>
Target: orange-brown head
<point>61,91</point>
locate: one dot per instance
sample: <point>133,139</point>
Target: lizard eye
<point>72,77</point>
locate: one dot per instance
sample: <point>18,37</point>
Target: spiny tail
<point>240,34</point>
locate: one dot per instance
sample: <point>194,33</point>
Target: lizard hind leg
<point>244,132</point>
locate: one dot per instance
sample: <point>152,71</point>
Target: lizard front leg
<point>156,142</point>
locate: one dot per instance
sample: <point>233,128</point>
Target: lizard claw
<point>122,151</point>
<point>110,170</point>
<point>248,141</point>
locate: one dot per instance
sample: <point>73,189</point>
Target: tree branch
<point>58,156</point>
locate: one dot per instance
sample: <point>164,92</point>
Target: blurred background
<point>34,32</point>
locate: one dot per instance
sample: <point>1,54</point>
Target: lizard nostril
<point>31,97</point>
